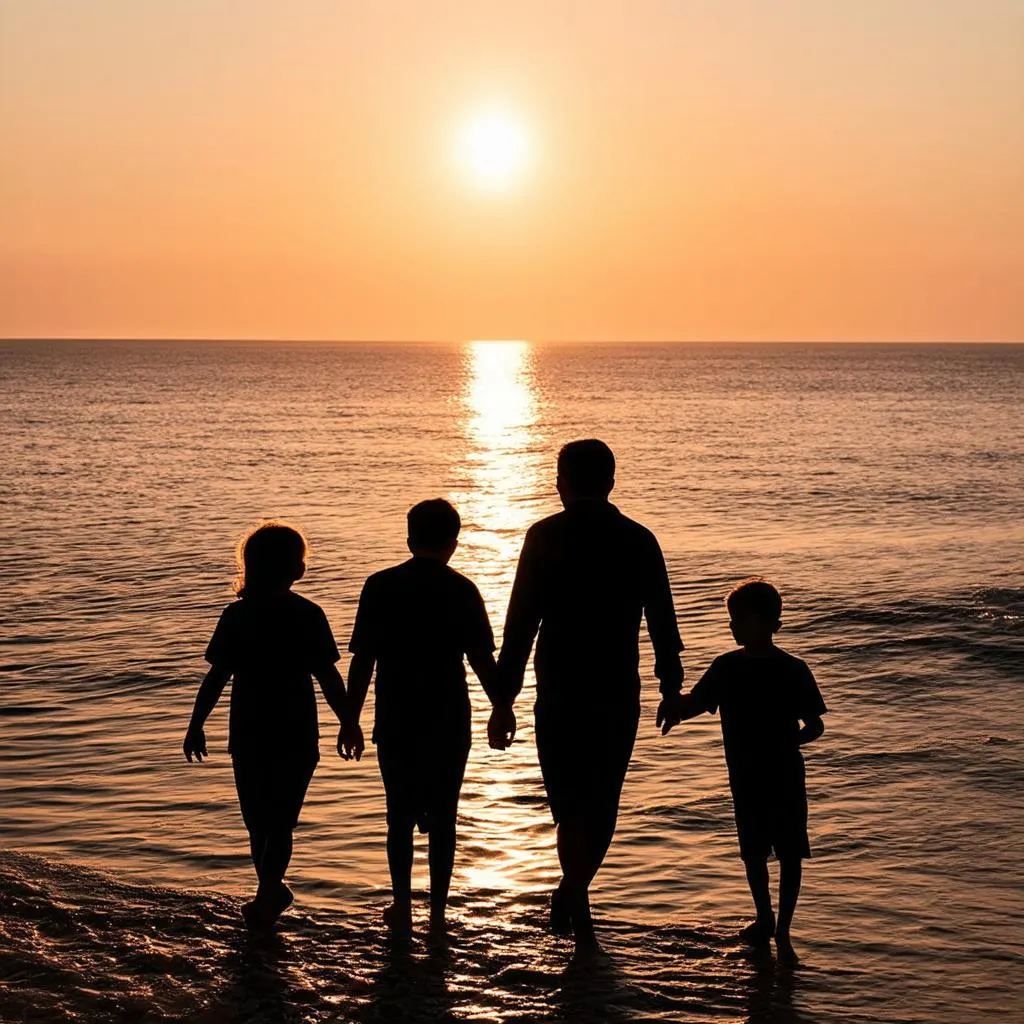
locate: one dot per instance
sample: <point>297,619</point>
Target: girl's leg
<point>399,915</point>
<point>763,928</point>
<point>277,852</point>
<point>257,848</point>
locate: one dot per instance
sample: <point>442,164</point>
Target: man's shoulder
<point>547,526</point>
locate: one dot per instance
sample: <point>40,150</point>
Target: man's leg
<point>575,858</point>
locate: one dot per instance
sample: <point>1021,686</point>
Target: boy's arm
<point>209,693</point>
<point>501,727</point>
<point>332,686</point>
<point>677,708</point>
<point>812,729</point>
<point>360,674</point>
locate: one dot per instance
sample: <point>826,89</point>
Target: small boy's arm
<point>812,729</point>
<point>209,693</point>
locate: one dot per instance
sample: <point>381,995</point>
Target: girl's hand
<point>195,743</point>
<point>350,741</point>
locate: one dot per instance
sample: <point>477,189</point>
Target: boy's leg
<point>790,876</point>
<point>257,847</point>
<point>763,928</point>
<point>442,840</point>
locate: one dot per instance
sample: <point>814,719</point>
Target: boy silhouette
<point>585,578</point>
<point>415,623</point>
<point>763,695</point>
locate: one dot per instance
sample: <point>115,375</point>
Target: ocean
<point>880,487</point>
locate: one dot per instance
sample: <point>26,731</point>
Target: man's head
<point>755,612</point>
<point>586,469</point>
<point>434,529</point>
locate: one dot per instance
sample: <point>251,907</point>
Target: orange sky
<point>702,169</point>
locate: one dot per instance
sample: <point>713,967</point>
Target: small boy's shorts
<point>771,822</point>
<point>271,789</point>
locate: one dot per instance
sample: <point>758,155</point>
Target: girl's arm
<point>332,686</point>
<point>209,693</point>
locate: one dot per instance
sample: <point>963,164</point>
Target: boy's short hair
<point>588,467</point>
<point>756,595</point>
<point>433,524</point>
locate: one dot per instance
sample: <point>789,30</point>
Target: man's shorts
<point>584,754</point>
<point>271,789</point>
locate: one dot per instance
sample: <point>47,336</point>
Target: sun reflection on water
<point>506,485</point>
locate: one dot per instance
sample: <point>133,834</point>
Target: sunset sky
<point>768,169</point>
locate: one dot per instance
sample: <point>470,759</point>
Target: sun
<point>495,150</point>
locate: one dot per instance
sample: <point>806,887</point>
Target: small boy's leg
<point>790,876</point>
<point>763,928</point>
<point>442,862</point>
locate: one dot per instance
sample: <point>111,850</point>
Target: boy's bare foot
<point>398,917</point>
<point>758,934</point>
<point>784,950</point>
<point>561,919</point>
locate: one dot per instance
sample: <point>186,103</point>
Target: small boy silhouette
<point>270,642</point>
<point>763,695</point>
<point>415,623</point>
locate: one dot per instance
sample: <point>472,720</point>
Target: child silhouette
<point>415,624</point>
<point>270,642</point>
<point>763,694</point>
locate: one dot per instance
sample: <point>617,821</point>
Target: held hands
<point>350,741</point>
<point>501,727</point>
<point>670,713</point>
<point>195,743</point>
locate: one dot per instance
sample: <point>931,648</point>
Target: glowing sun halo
<point>495,150</point>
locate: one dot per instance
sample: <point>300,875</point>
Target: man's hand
<point>670,713</point>
<point>195,743</point>
<point>350,741</point>
<point>501,727</point>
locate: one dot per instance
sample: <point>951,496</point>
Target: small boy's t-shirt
<point>417,621</point>
<point>272,645</point>
<point>762,702</point>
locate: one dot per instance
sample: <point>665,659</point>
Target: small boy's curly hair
<point>268,556</point>
<point>756,595</point>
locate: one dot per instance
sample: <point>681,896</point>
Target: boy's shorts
<point>422,765</point>
<point>767,822</point>
<point>271,789</point>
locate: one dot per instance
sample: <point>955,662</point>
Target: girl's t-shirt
<point>272,646</point>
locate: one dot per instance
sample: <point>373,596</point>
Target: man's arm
<point>660,613</point>
<point>521,621</point>
<point>501,727</point>
<point>209,693</point>
<point>360,674</point>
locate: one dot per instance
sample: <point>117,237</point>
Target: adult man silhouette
<point>585,577</point>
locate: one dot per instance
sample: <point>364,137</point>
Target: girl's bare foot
<point>266,908</point>
<point>759,933</point>
<point>398,917</point>
<point>784,950</point>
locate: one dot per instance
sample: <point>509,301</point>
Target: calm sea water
<point>882,488</point>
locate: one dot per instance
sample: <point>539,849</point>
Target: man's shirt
<point>585,579</point>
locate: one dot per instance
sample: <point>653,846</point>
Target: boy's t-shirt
<point>272,645</point>
<point>418,620</point>
<point>762,702</point>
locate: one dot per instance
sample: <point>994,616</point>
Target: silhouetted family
<point>586,578</point>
